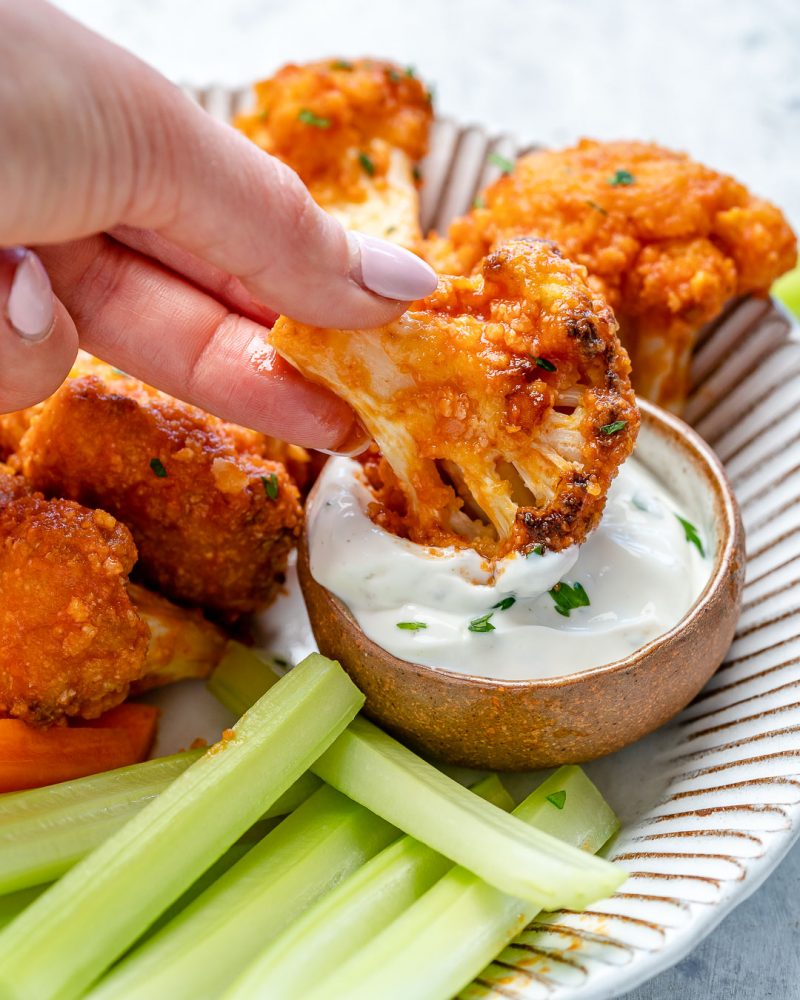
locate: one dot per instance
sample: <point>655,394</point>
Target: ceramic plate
<point>710,803</point>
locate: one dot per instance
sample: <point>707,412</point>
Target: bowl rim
<point>730,532</point>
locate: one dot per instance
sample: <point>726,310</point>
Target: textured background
<point>720,78</point>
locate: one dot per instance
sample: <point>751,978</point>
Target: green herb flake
<point>506,603</point>
<point>498,160</point>
<point>307,117</point>
<point>389,230</point>
<point>394,76</point>
<point>341,64</point>
<point>558,798</point>
<point>411,626</point>
<point>416,173</point>
<point>411,72</point>
<point>567,598</point>
<point>482,624</point>
<point>692,537</point>
<point>366,164</point>
<point>537,550</point>
<point>479,201</point>
<point>158,468</point>
<point>621,178</point>
<point>613,428</point>
<point>596,207</point>
<point>270,484</point>
<point>548,366</point>
<point>430,95</point>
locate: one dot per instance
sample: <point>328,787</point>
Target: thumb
<point>253,217</point>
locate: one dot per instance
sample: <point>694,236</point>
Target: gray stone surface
<point>720,78</point>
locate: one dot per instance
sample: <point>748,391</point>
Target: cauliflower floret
<point>666,240</point>
<point>501,403</point>
<point>354,132</point>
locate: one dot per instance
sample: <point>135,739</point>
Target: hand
<point>164,240</point>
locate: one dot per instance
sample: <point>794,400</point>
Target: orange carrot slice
<point>137,720</point>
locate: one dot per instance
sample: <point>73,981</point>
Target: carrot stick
<point>31,757</point>
<point>137,720</point>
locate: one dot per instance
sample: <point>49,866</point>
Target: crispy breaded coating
<point>666,240</point>
<point>71,641</point>
<point>508,390</point>
<point>353,131</point>
<point>213,521</point>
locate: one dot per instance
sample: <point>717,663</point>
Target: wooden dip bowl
<point>483,722</point>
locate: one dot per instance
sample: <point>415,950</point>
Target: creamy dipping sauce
<point>638,570</point>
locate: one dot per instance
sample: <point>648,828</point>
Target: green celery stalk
<point>393,782</point>
<point>197,955</point>
<point>72,933</point>
<point>45,831</point>
<point>331,931</point>
<point>15,902</point>
<point>241,677</point>
<point>450,934</point>
<point>787,290</point>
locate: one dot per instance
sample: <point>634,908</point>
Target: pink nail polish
<point>389,270</point>
<point>29,306</point>
<point>354,443</point>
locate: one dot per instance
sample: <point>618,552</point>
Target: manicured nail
<point>29,306</point>
<point>354,442</point>
<point>389,270</point>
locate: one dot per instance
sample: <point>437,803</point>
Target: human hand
<point>163,241</point>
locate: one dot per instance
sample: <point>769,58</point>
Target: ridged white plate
<point>710,803</point>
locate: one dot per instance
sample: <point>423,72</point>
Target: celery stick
<point>377,771</point>
<point>14,903</point>
<point>323,938</point>
<point>787,290</point>
<point>197,954</point>
<point>452,932</point>
<point>241,678</point>
<point>45,831</point>
<point>67,937</point>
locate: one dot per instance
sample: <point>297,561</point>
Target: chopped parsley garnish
<point>394,76</point>
<point>430,93</point>
<point>537,550</point>
<point>366,164</point>
<point>270,484</point>
<point>596,207</point>
<point>416,173</point>
<point>558,798</point>
<point>482,624</point>
<point>613,428</point>
<point>389,230</point>
<point>411,626</point>
<point>307,117</point>
<point>158,468</point>
<point>341,64</point>
<point>479,201</point>
<point>567,598</point>
<point>506,603</point>
<point>498,160</point>
<point>411,71</point>
<point>544,363</point>
<point>691,535</point>
<point>621,178</point>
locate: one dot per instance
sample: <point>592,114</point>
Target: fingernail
<point>30,301</point>
<point>389,270</point>
<point>354,442</point>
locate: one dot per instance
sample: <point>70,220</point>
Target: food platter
<point>710,803</point>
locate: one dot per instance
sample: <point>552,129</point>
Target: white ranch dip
<point>637,569</point>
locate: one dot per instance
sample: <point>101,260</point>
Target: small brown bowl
<point>523,724</point>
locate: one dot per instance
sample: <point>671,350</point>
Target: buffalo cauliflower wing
<point>353,131</point>
<point>72,641</point>
<point>666,240</point>
<point>501,403</point>
<point>213,519</point>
